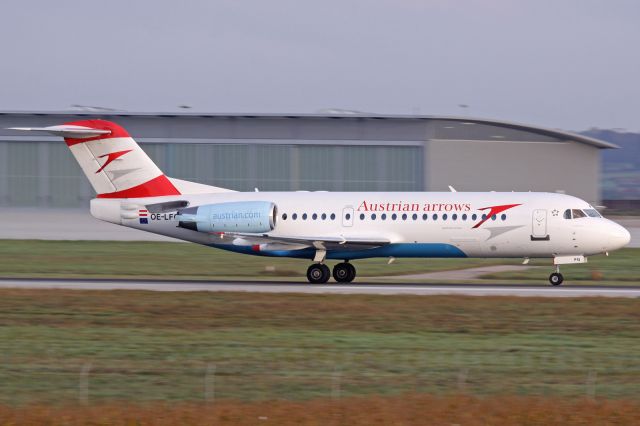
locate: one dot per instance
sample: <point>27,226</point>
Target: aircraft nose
<point>618,237</point>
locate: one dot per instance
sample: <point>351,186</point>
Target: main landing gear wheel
<point>344,272</point>
<point>556,278</point>
<point>318,273</point>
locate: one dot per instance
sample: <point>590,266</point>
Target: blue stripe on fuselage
<point>390,250</point>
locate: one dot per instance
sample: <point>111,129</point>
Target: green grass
<point>139,260</point>
<point>102,259</point>
<point>621,267</point>
<point>143,346</point>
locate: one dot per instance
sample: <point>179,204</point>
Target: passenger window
<point>503,217</point>
<point>315,216</point>
<point>474,216</point>
<point>404,216</point>
<point>414,217</point>
<point>394,216</point>
<point>435,216</point>
<point>361,216</point>
<point>425,216</point>
<point>576,213</point>
<point>444,216</point>
<point>284,216</point>
<point>304,216</point>
<point>454,216</point>
<point>373,216</point>
<point>324,216</point>
<point>294,216</point>
<point>464,216</point>
<point>383,216</point>
<point>333,216</point>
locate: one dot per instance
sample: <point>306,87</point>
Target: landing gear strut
<point>556,278</point>
<point>318,273</point>
<point>344,272</point>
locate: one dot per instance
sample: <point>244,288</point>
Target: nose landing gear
<point>556,278</point>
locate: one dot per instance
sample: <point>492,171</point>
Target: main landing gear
<point>344,272</point>
<point>319,273</point>
<point>556,278</point>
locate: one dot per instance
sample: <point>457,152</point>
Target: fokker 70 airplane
<point>133,191</point>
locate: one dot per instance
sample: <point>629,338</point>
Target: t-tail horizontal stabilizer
<point>66,131</point>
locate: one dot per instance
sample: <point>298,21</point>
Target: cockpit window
<point>576,213</point>
<point>592,213</point>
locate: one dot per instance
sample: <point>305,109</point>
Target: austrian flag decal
<point>143,214</point>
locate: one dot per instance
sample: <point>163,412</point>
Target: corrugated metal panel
<point>496,166</point>
<point>45,174</point>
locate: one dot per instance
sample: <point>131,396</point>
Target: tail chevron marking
<point>111,157</point>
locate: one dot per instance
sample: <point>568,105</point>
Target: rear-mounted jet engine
<point>248,216</point>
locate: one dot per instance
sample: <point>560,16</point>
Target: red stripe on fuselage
<point>156,187</point>
<point>115,131</point>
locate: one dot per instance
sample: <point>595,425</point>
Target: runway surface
<point>333,288</point>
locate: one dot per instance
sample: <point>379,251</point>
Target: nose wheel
<point>318,273</point>
<point>344,272</point>
<point>556,278</point>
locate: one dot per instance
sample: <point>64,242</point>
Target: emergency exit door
<point>347,216</point>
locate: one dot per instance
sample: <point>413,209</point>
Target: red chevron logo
<point>494,210</point>
<point>111,157</point>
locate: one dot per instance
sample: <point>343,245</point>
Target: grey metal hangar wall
<point>309,152</point>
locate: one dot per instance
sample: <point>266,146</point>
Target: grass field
<point>103,259</point>
<point>35,258</point>
<point>62,347</point>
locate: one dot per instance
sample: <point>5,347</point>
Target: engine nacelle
<point>242,216</point>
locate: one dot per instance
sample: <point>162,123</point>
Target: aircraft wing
<point>323,243</point>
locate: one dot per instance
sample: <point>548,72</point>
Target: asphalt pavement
<point>332,288</point>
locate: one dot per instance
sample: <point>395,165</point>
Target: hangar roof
<point>553,133</point>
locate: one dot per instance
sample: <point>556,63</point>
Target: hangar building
<point>345,152</point>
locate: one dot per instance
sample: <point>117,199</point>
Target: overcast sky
<point>569,64</point>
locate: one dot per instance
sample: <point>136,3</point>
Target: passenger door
<point>539,225</point>
<point>347,216</point>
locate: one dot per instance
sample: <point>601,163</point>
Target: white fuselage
<point>416,224</point>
